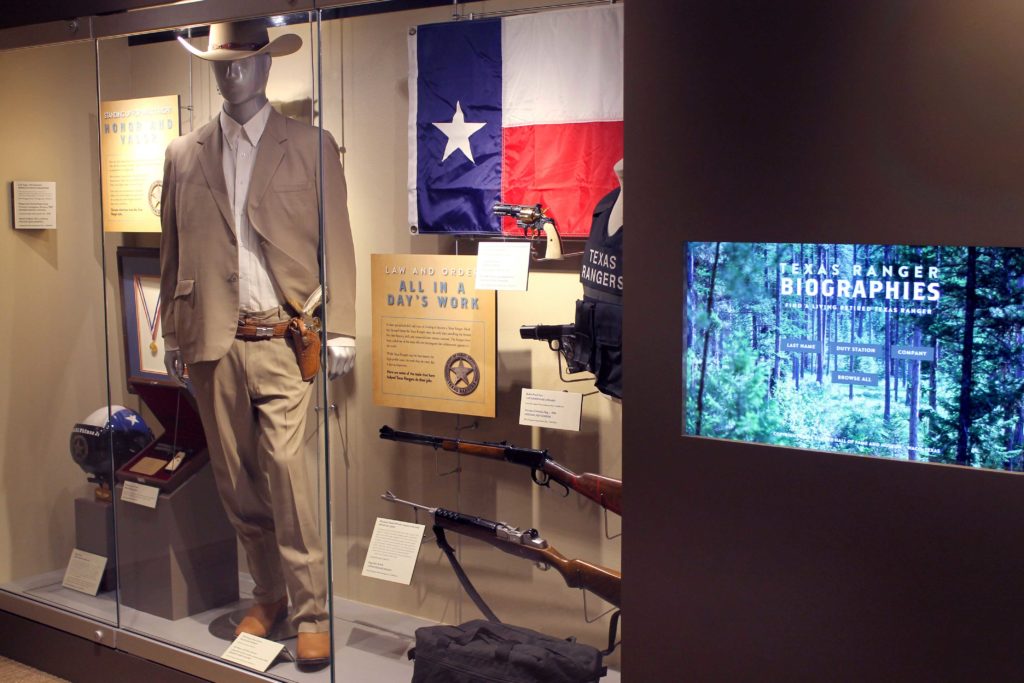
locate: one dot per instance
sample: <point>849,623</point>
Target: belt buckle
<point>264,332</point>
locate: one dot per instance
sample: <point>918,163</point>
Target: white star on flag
<point>458,132</point>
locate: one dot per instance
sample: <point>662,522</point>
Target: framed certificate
<point>139,276</point>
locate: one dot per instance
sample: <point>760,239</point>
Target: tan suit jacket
<point>199,294</point>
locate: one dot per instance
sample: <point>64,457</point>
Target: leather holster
<point>305,342</point>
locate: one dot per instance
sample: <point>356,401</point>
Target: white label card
<point>253,652</point>
<point>393,550</point>
<point>552,409</point>
<point>503,266</point>
<point>140,494</point>
<point>84,572</point>
<point>35,205</point>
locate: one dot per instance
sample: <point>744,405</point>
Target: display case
<point>178,527</point>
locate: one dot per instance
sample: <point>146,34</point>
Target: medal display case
<point>138,270</point>
<point>180,451</point>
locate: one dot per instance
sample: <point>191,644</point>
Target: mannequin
<point>615,224</point>
<point>243,85</point>
<point>615,219</point>
<point>240,260</point>
<point>598,321</point>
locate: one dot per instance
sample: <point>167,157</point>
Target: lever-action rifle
<point>527,544</point>
<point>604,491</point>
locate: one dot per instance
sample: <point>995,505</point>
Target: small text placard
<point>140,494</point>
<point>35,205</point>
<point>253,652</point>
<point>551,409</point>
<point>84,572</point>
<point>503,266</point>
<point>393,550</point>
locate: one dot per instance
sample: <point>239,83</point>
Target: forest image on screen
<point>907,352</point>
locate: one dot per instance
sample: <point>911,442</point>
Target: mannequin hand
<point>340,360</point>
<point>175,365</point>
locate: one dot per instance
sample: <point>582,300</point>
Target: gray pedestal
<point>94,533</point>
<point>180,558</point>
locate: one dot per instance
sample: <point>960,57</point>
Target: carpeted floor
<point>16,672</point>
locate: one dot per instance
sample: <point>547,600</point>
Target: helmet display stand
<point>180,557</point>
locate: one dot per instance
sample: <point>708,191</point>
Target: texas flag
<point>520,110</point>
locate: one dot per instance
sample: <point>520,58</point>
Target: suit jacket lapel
<point>268,158</point>
<point>211,160</point>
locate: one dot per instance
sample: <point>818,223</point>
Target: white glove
<point>175,365</point>
<point>341,356</point>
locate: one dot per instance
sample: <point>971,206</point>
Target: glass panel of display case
<point>61,433</point>
<point>373,70</point>
<point>212,211</point>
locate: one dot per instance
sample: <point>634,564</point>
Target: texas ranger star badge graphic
<point>462,374</point>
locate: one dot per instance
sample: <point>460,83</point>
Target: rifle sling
<point>471,591</point>
<point>613,630</point>
<point>467,585</point>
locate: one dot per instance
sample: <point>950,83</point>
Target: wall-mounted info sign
<point>434,340</point>
<point>903,352</point>
<point>133,137</point>
<point>34,205</point>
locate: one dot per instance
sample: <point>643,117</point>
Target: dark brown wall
<point>22,12</point>
<point>873,121</point>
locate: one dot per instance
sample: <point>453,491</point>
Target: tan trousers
<point>253,405</point>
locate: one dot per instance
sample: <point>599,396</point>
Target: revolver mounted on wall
<point>533,220</point>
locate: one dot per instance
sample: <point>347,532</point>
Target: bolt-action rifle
<point>604,491</point>
<point>603,582</point>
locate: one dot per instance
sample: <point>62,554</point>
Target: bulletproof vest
<point>599,312</point>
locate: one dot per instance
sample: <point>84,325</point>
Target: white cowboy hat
<point>240,39</point>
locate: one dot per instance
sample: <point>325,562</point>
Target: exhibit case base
<point>370,643</point>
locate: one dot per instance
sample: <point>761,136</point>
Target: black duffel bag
<point>487,651</point>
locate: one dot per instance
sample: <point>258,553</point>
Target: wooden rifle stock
<point>603,582</point>
<point>604,491</point>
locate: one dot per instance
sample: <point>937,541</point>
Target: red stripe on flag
<point>565,167</point>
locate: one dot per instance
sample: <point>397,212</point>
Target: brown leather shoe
<point>313,650</point>
<point>262,617</point>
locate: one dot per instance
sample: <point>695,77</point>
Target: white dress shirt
<point>256,289</point>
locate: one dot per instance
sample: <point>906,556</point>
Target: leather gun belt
<point>256,330</point>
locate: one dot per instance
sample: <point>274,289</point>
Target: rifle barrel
<point>392,498</point>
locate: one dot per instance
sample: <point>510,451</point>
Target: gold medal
<point>152,321</point>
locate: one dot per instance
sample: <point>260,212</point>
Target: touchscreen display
<point>908,352</point>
